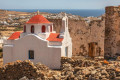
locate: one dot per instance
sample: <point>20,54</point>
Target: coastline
<point>79,12</point>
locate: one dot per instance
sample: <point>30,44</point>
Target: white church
<point>39,43</point>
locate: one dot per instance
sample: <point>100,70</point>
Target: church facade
<point>39,43</point>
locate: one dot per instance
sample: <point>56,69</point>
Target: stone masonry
<point>83,34</point>
<point>112,32</point>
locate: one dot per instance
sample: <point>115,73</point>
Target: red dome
<point>37,19</point>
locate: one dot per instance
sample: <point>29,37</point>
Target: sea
<point>80,12</point>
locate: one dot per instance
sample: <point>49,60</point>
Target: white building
<point>39,43</point>
<point>2,39</point>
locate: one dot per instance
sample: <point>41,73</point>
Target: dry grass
<point>6,33</point>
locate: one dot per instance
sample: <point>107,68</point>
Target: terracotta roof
<point>37,19</point>
<point>14,36</point>
<point>54,37</point>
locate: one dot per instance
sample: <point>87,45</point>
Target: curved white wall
<point>38,28</point>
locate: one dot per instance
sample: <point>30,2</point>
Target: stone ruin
<point>98,38</point>
<point>87,38</point>
<point>112,32</point>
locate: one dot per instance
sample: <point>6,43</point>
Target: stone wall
<point>112,32</point>
<point>83,33</point>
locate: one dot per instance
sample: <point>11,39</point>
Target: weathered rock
<point>24,78</point>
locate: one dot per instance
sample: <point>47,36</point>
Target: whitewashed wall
<point>38,28</point>
<point>67,41</point>
<point>42,53</point>
<point>7,53</point>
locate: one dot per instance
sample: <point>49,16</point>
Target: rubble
<point>24,70</point>
<point>91,71</point>
<point>71,69</point>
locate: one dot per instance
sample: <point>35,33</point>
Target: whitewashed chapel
<point>39,43</point>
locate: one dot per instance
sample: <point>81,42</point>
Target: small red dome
<point>37,19</point>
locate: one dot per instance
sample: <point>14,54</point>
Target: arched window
<point>24,28</point>
<point>43,28</point>
<point>50,28</point>
<point>32,29</point>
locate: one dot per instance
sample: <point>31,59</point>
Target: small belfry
<point>39,43</point>
<point>38,12</point>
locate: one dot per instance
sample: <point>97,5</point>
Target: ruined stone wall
<point>97,32</point>
<point>83,33</point>
<point>112,31</point>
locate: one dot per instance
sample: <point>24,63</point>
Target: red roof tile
<point>54,37</point>
<point>37,19</point>
<point>15,35</point>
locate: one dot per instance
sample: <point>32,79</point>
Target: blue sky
<point>57,4</point>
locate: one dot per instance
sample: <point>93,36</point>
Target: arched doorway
<point>24,28</point>
<point>32,29</point>
<point>43,29</point>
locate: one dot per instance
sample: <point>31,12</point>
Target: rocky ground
<point>76,68</point>
<point>85,69</point>
<point>24,70</point>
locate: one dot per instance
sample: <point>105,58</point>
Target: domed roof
<point>37,19</point>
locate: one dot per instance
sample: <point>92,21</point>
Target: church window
<point>43,29</point>
<point>32,29</point>
<point>50,28</point>
<point>24,28</point>
<point>31,54</point>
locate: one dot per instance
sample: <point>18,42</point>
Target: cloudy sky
<point>57,4</point>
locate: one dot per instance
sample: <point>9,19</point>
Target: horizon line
<point>64,9</point>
